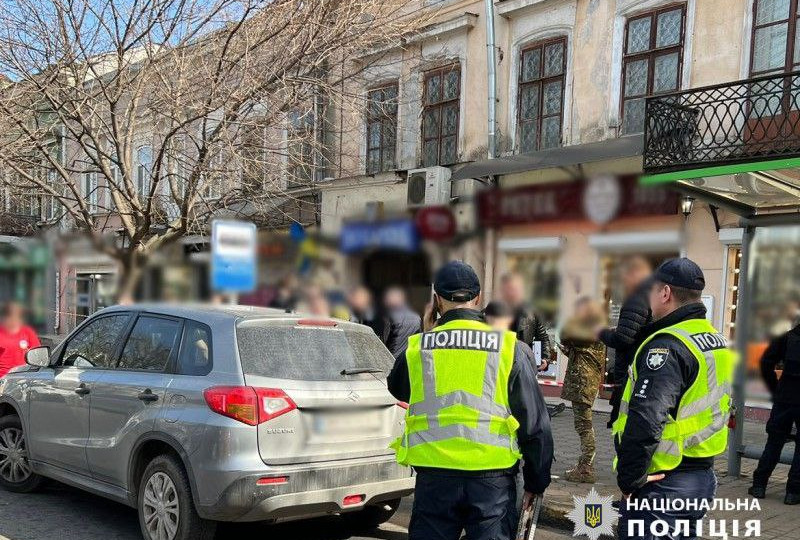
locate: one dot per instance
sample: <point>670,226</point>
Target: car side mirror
<point>38,356</point>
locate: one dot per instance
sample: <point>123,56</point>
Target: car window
<point>150,344</point>
<point>309,353</point>
<point>195,356</point>
<point>94,344</point>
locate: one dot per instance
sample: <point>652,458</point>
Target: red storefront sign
<point>601,200</point>
<point>436,223</point>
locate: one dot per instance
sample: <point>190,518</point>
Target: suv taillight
<point>249,405</point>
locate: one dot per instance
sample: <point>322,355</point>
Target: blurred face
<point>394,298</point>
<point>500,323</point>
<point>660,300</point>
<point>635,272</point>
<point>14,318</point>
<point>512,291</point>
<point>318,305</point>
<point>360,299</point>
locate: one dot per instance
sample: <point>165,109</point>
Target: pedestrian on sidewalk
<point>16,337</point>
<point>465,444</point>
<point>626,337</point>
<point>500,317</point>
<point>783,351</point>
<point>674,410</point>
<point>529,325</point>
<point>586,363</point>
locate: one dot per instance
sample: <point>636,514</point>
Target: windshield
<point>310,353</point>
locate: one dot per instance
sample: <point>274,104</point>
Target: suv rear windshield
<point>309,353</point>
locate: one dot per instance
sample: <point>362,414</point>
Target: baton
<point>529,517</point>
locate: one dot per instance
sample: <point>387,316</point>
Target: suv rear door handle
<point>82,390</point>
<point>148,395</point>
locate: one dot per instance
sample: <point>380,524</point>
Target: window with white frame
<point>652,60</point>
<point>300,148</point>
<point>144,167</point>
<point>90,192</point>
<point>540,110</point>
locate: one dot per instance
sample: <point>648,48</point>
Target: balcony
<point>13,224</point>
<point>736,125</point>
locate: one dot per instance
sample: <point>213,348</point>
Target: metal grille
<point>750,120</point>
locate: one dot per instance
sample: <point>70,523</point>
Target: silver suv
<point>195,415</point>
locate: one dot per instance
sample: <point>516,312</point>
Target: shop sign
<point>395,234</point>
<point>436,223</point>
<point>233,256</point>
<point>600,200</point>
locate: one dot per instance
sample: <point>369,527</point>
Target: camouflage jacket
<point>586,362</point>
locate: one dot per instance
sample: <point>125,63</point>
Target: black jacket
<point>397,325</point>
<point>527,406</point>
<point>783,351</point>
<point>627,336</point>
<point>529,328</point>
<point>655,395</point>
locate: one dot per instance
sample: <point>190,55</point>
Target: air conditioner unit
<point>428,187</point>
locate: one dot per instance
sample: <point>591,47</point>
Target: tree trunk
<point>131,270</point>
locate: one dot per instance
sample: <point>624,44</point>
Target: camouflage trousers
<point>585,429</point>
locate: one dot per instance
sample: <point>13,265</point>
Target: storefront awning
<point>566,156</point>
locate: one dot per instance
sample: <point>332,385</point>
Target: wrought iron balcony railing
<point>751,120</point>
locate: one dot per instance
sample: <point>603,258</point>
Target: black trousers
<point>779,427</point>
<point>444,506</point>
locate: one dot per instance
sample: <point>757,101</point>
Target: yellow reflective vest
<point>698,429</point>
<point>458,415</point>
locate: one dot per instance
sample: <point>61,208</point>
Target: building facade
<point>572,78</point>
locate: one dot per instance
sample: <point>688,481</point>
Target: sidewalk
<point>778,521</point>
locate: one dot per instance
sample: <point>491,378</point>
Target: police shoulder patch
<point>656,358</point>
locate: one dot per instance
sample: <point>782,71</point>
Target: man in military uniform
<point>675,407</point>
<point>585,367</point>
<point>474,409</point>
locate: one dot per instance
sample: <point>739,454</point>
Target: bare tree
<point>134,121</point>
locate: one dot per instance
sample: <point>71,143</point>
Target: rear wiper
<point>358,371</point>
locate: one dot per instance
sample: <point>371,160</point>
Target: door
<point>60,402</point>
<point>128,399</point>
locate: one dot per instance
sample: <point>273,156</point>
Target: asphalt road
<point>60,512</point>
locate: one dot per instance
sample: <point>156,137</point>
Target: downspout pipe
<point>491,75</point>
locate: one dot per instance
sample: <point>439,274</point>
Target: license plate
<point>346,423</point>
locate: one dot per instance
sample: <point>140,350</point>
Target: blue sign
<point>396,234</point>
<point>233,256</point>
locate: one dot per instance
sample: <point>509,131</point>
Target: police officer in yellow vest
<point>474,410</point>
<point>674,410</point>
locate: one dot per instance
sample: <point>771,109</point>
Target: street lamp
<point>687,205</point>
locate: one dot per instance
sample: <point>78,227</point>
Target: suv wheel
<point>371,517</point>
<point>166,508</point>
<point>15,470</point>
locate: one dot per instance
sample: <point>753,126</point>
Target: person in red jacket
<point>15,337</point>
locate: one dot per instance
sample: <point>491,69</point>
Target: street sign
<point>394,234</point>
<point>233,256</point>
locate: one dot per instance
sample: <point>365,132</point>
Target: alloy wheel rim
<point>160,507</point>
<point>14,466</point>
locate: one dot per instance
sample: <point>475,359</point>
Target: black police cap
<point>456,281</point>
<point>681,272</point>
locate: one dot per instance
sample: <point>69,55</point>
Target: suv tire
<point>372,516</point>
<point>165,505</point>
<point>15,470</point>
